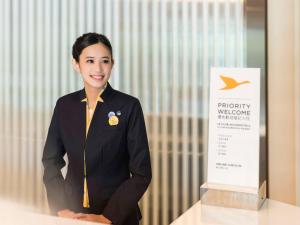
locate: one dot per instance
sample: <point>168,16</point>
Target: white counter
<point>271,213</point>
<point>14,214</point>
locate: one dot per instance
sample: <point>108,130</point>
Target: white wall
<point>283,84</point>
<point>297,102</point>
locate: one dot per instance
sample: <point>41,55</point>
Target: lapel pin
<point>118,113</point>
<point>110,114</point>
<point>113,120</point>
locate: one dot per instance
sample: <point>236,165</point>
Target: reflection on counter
<point>12,213</point>
<point>271,213</point>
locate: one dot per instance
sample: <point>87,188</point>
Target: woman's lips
<point>97,77</point>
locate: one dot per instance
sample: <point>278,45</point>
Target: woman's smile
<point>97,77</point>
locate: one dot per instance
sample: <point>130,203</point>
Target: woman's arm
<point>53,162</point>
<point>126,197</point>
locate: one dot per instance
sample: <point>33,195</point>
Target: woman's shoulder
<point>72,97</point>
<point>124,98</point>
<point>117,97</point>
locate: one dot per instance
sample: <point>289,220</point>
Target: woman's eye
<point>106,61</point>
<point>90,61</point>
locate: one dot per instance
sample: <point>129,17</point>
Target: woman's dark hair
<point>89,39</point>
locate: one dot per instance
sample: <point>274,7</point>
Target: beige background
<point>283,78</point>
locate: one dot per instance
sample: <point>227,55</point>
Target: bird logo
<point>231,83</point>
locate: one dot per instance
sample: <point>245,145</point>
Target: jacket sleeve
<point>126,197</point>
<point>53,162</point>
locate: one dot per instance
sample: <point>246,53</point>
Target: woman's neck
<point>92,95</point>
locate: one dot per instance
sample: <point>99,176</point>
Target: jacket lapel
<point>80,122</point>
<point>99,118</point>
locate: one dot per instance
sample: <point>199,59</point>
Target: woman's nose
<point>98,67</point>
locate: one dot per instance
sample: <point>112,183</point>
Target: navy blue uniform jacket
<point>117,157</point>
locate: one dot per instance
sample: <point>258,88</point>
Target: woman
<point>103,133</point>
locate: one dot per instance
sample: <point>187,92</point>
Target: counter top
<point>271,213</point>
<point>15,214</point>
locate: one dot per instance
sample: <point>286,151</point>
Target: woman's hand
<point>66,213</point>
<point>93,217</point>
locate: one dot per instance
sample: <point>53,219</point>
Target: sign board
<point>233,147</point>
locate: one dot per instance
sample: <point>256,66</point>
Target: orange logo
<point>231,83</point>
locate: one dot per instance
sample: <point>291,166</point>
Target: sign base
<point>233,196</point>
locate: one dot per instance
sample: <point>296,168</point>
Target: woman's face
<point>95,65</point>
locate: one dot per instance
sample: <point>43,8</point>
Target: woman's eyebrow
<point>92,57</point>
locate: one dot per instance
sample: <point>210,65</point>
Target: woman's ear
<point>112,62</point>
<point>75,65</point>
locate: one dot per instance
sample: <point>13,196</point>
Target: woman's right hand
<point>66,213</point>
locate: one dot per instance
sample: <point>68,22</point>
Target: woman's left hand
<point>92,217</point>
